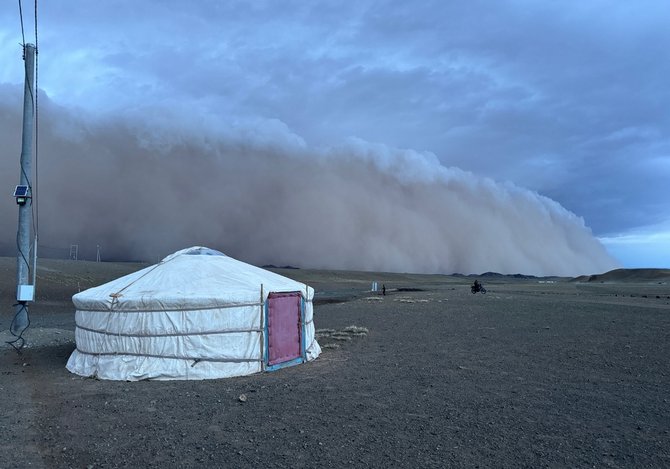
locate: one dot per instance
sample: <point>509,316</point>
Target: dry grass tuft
<point>330,346</point>
<point>356,330</point>
<point>410,300</point>
<point>328,338</point>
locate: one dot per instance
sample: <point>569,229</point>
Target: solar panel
<point>21,191</point>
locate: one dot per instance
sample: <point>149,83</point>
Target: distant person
<point>383,290</point>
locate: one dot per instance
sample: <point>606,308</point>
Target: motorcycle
<point>478,287</point>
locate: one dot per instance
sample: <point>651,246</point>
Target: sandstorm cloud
<point>143,185</point>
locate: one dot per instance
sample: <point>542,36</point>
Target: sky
<point>565,100</point>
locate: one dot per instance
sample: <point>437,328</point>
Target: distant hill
<point>498,275</point>
<point>627,275</point>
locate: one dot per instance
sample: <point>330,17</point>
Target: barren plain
<point>535,373</point>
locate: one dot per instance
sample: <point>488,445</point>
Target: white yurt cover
<point>197,314</point>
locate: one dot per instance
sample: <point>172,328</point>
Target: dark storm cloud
<point>566,98</point>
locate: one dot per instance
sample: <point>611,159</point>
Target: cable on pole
<point>23,35</point>
<point>19,336</point>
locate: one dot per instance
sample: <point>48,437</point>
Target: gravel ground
<point>541,375</point>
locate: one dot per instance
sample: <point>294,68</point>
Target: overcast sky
<point>569,99</point>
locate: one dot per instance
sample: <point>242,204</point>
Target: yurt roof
<point>193,278</point>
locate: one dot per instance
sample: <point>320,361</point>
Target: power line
<point>23,36</point>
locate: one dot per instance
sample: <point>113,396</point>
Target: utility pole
<point>25,291</point>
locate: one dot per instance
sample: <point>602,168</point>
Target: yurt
<point>197,314</point>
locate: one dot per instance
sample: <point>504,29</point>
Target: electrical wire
<point>19,337</point>
<point>23,255</point>
<point>23,35</point>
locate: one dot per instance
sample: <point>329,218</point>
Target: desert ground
<point>535,373</point>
